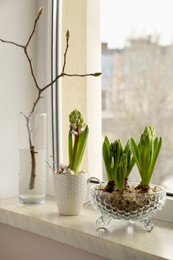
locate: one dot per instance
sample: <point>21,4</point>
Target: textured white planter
<point>70,192</point>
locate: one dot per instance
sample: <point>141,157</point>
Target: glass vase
<point>32,158</point>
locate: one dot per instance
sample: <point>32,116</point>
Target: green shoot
<point>118,161</point>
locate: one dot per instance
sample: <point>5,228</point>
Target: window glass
<point>137,81</point>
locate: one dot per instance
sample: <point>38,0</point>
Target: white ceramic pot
<point>70,192</point>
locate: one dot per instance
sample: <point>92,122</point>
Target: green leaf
<point>127,151</point>
<point>146,159</point>
<point>107,143</point>
<point>80,149</point>
<point>135,151</point>
<point>120,179</point>
<point>156,141</point>
<point>120,183</point>
<point>110,157</point>
<point>155,156</point>
<point>106,157</point>
<point>130,158</point>
<point>70,149</point>
<point>127,147</point>
<point>117,157</point>
<point>130,167</point>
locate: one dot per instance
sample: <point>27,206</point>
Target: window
<point>137,62</point>
<point>85,93</point>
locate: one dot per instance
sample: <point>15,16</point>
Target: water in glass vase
<point>36,193</point>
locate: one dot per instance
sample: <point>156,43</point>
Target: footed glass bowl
<point>128,204</point>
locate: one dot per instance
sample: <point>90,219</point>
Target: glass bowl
<point>128,204</point>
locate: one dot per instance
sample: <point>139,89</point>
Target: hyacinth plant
<point>41,89</point>
<point>146,154</point>
<point>118,163</point>
<point>77,139</point>
<point>119,199</point>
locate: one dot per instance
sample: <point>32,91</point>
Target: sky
<point>121,19</point>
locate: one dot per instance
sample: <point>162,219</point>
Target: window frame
<point>92,95</point>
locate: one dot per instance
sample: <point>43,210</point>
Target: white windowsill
<point>121,239</point>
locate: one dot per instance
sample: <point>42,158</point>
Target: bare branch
<point>52,82</point>
<point>65,53</point>
<point>34,28</point>
<point>31,68</point>
<point>13,43</point>
<point>82,75</point>
<point>35,103</point>
<point>41,90</point>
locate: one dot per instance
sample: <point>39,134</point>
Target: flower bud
<point>97,74</point>
<point>113,148</point>
<point>67,34</point>
<point>149,133</point>
<point>76,119</point>
<point>40,11</point>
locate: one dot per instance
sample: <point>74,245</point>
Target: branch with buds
<point>40,89</point>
